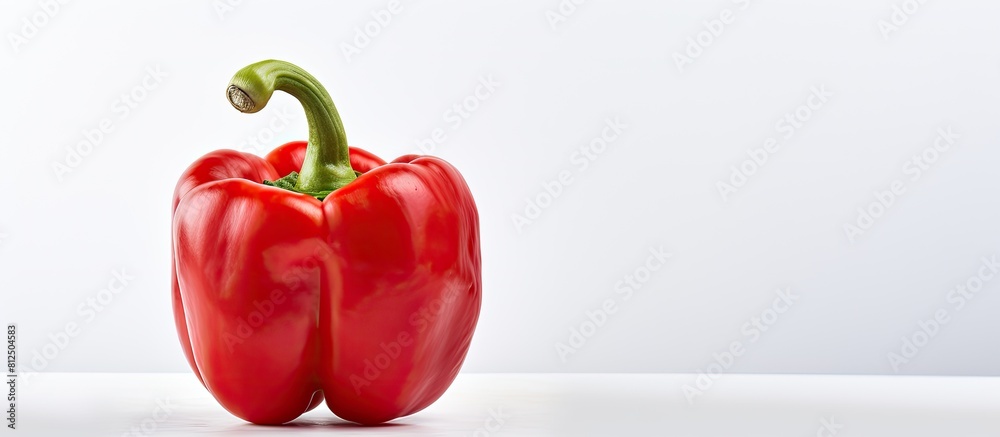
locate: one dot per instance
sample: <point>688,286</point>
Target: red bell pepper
<point>321,272</point>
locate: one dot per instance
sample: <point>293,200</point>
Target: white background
<point>656,185</point>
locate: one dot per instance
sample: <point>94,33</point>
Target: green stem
<point>327,164</point>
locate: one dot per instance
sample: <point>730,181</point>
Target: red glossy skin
<point>368,299</point>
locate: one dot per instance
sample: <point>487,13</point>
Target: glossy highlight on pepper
<point>321,272</point>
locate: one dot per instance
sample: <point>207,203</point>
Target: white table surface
<point>546,405</point>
